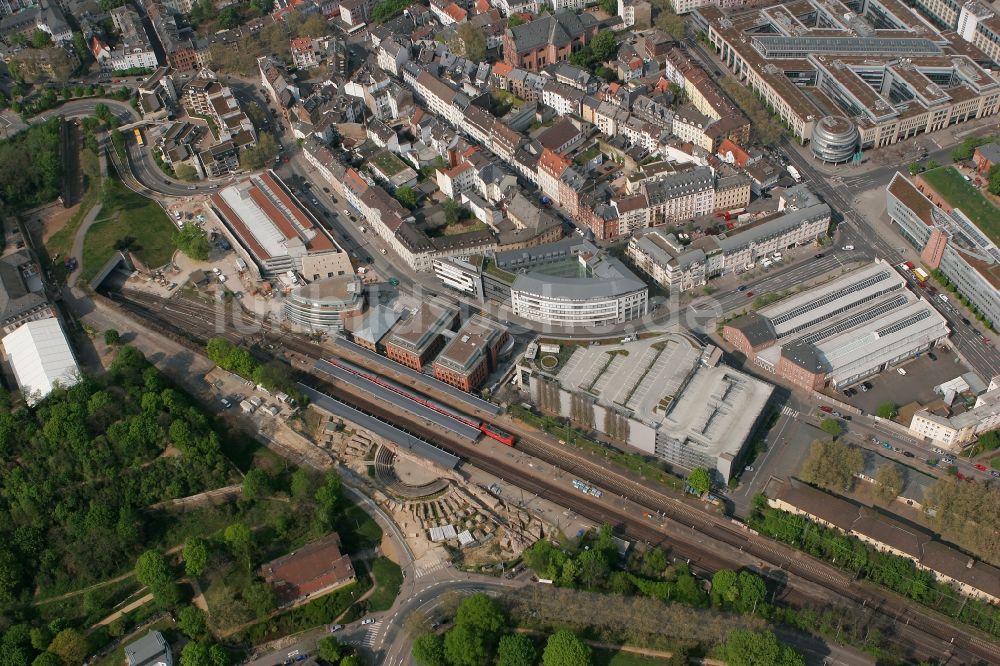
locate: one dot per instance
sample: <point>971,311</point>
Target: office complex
<point>665,396</point>
<point>472,353</point>
<point>839,333</point>
<point>414,341</point>
<point>878,72</point>
<point>568,283</point>
<point>324,305</point>
<point>950,242</point>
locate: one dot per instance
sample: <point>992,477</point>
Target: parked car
<point>980,466</point>
<point>848,247</point>
<point>742,287</point>
<point>825,408</point>
<point>907,454</point>
<point>818,255</point>
<point>932,356</point>
<point>368,620</point>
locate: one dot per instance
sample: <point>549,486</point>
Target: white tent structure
<point>40,356</point>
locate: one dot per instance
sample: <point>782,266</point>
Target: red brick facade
<point>411,360</point>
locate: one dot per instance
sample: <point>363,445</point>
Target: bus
<point>138,136</point>
<point>921,274</point>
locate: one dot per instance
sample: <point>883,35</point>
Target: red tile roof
<point>456,12</point>
<point>302,44</point>
<point>241,229</point>
<point>553,163</point>
<point>311,569</point>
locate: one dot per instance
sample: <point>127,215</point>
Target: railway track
<point>916,628</point>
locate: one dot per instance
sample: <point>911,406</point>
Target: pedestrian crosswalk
<point>371,634</point>
<point>422,570</point>
<point>788,411</point>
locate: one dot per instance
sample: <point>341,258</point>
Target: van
<point>766,263</point>
<point>901,371</point>
<point>943,297</point>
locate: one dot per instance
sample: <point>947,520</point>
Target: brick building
<point>471,355</point>
<point>416,340</point>
<point>548,39</point>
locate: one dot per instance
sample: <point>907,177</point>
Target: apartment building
<point>950,242</point>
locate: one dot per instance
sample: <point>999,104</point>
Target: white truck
<point>794,173</point>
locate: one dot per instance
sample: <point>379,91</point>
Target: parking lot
<point>922,375</point>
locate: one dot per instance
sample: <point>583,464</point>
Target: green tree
<point>888,482</point>
<point>41,39</point>
<point>71,646</point>
<point>744,647</point>
<point>151,570</point>
<point>481,612</point>
<point>516,650</point>
<point>229,17</point>
<point>724,588</point>
<point>700,480</point>
<point>670,23</point>
<point>564,648</point>
<point>331,651</point>
<point>752,592</point>
<point>261,155</point>
<point>989,441</point>
<point>240,541</point>
<point>993,184</point>
<point>465,645</point>
<point>301,484</point>
<point>191,621</point>
<point>914,168</point>
<point>256,484</point>
<point>609,6</point>
<point>473,41</point>
<point>195,556</point>
<point>594,569</point>
<point>604,46</point>
<point>831,426</point>
<point>406,197</point>
<point>315,25</point>
<point>350,660</point>
<point>111,337</point>
<point>193,241</point>
<point>887,410</point>
<point>514,21</point>
<point>47,659</point>
<point>428,650</point>
<point>261,599</point>
<point>185,171</point>
<point>40,638</point>
<point>832,465</point>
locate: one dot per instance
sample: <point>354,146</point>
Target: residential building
<point>636,14</point>
<point>308,573</point>
<point>986,157</point>
<point>681,195</point>
<point>415,341</point>
<point>949,242</point>
<point>150,650</point>
<point>841,332</point>
<point>134,49</point>
<point>888,534</point>
<point>471,354</point>
<point>547,39</point>
<point>676,264</point>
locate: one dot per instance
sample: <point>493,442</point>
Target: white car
<point>848,247</point>
<point>939,451</point>
<point>368,620</point>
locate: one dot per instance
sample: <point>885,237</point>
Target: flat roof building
<point>469,357</point>
<point>324,305</point>
<point>276,233</point>
<point>370,328</point>
<point>41,358</point>
<point>568,283</point>
<point>416,340</point>
<point>665,396</point>
<point>841,332</point>
<point>861,80</point>
<point>950,242</point>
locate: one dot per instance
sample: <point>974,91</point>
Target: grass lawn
<point>127,215</point>
<point>357,529</point>
<point>388,164</point>
<point>961,194</point>
<point>388,579</point>
<point>605,657</point>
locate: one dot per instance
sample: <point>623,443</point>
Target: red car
<point>981,467</point>
<point>749,294</point>
<point>987,341</point>
<point>828,410</point>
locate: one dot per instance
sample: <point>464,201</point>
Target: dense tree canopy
<point>564,648</point>
<point>832,465</point>
<point>89,462</point>
<point>30,164</point>
<point>757,648</point>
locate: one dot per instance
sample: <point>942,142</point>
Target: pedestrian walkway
<point>371,633</point>
<point>427,569</point>
<point>788,411</point>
